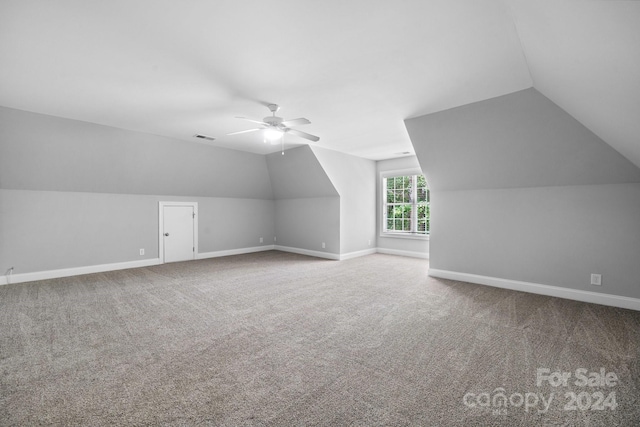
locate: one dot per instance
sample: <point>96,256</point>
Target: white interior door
<point>178,233</point>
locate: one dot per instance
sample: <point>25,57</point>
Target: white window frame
<point>383,204</point>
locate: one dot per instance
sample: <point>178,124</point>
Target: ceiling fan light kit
<point>275,127</point>
<point>273,134</point>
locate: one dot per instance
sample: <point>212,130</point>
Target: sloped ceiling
<point>42,152</point>
<point>585,57</point>
<point>299,175</point>
<point>517,140</point>
<point>356,69</point>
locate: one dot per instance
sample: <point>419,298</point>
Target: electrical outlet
<point>141,251</point>
<point>369,242</point>
<point>596,279</point>
<point>274,238</point>
<point>9,273</point>
<point>323,245</point>
<point>261,240</point>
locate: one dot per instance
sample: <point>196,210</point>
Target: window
<point>405,205</point>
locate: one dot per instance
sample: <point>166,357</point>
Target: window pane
<point>390,224</point>
<point>422,195</point>
<point>406,195</point>
<point>390,196</point>
<point>398,224</point>
<point>422,211</point>
<point>406,225</point>
<point>388,183</point>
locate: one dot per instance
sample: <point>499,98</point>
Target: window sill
<point>405,236</point>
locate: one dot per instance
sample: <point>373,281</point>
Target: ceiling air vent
<point>208,138</point>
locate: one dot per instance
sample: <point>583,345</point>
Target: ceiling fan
<point>275,127</point>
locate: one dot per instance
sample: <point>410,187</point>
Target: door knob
<point>166,234</point>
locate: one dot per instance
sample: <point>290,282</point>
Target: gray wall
<point>417,246</point>
<point>77,194</point>
<point>49,230</point>
<point>306,223</point>
<point>520,190</point>
<point>307,205</point>
<point>42,152</point>
<point>355,180</point>
<point>323,196</point>
<point>549,235</point>
<point>229,223</point>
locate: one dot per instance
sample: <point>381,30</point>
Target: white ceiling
<point>355,68</point>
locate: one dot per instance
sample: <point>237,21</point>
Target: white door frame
<point>161,206</point>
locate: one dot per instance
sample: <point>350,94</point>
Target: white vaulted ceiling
<point>356,69</point>
<point>585,57</point>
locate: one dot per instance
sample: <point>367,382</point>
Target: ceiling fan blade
<point>295,122</point>
<point>304,135</point>
<point>243,131</point>
<point>253,121</point>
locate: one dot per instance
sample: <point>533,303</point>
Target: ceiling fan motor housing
<point>273,121</point>
<point>278,126</point>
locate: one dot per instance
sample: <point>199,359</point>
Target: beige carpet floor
<point>277,339</point>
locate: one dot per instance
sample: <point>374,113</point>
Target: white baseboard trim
<point>412,254</point>
<point>308,252</point>
<point>239,251</point>
<point>536,288</point>
<point>76,271</point>
<point>357,254</point>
